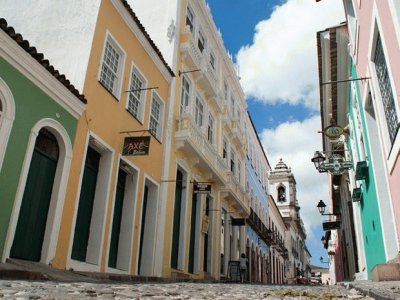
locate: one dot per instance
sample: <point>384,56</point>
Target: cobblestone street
<point>53,290</point>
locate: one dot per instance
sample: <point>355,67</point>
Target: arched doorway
<point>32,218</point>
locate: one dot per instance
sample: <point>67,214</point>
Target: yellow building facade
<point>110,218</point>
<point>111,214</point>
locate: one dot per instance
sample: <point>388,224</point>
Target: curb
<point>371,293</point>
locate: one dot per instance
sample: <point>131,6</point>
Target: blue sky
<point>273,43</point>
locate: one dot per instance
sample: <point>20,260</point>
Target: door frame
<point>58,193</point>
<point>100,202</point>
<point>7,119</point>
<point>130,203</point>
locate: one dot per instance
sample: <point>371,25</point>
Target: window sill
<point>140,122</point>
<point>110,92</point>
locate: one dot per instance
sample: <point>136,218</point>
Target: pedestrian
<point>243,266</point>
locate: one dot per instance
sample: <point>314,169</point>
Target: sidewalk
<point>25,270</point>
<point>15,269</point>
<point>382,290</point>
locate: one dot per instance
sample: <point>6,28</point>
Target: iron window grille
<point>386,90</point>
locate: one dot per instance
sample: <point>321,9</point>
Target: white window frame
<point>211,129</point>
<point>155,98</point>
<point>232,107</point>
<point>143,94</point>
<point>225,149</point>
<point>226,91</point>
<point>390,149</point>
<point>116,89</point>
<point>189,11</point>
<point>239,173</point>
<point>213,61</point>
<point>201,41</point>
<point>232,165</point>
<point>184,107</point>
<point>394,6</point>
<point>353,27</point>
<point>199,113</point>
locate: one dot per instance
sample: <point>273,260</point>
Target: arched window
<point>281,194</point>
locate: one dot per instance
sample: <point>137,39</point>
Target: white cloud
<point>281,64</point>
<point>295,142</point>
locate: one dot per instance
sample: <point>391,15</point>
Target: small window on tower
<point>281,194</point>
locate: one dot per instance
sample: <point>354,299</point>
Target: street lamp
<point>318,159</point>
<point>321,208</point>
<point>335,164</point>
<point>321,259</point>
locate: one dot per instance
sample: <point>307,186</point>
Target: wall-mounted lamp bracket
<point>184,72</point>
<point>144,89</point>
<point>345,80</point>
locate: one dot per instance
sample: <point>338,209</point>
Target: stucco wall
<point>31,105</point>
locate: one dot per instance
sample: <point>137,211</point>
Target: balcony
<point>271,237</point>
<point>236,192</point>
<point>191,55</point>
<point>237,133</point>
<point>193,141</point>
<point>216,103</point>
<point>233,128</point>
<point>208,79</point>
<point>194,59</point>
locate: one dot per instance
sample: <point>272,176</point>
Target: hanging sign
<point>330,225</point>
<point>136,145</point>
<point>238,222</point>
<point>333,131</point>
<point>201,188</point>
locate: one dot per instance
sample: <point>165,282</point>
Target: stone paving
<point>35,290</point>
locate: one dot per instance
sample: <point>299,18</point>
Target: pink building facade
<point>374,34</point>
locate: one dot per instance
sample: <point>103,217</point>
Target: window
<point>281,194</point>
<point>190,19</point>
<point>225,150</point>
<point>199,112</point>
<point>232,108</point>
<point>201,42</point>
<point>136,94</point>
<point>210,131</point>
<point>352,25</point>
<point>238,114</point>
<point>156,116</point>
<point>239,173</point>
<point>233,162</point>
<point>386,90</point>
<point>185,95</point>
<point>212,60</point>
<point>225,91</point>
<point>111,67</point>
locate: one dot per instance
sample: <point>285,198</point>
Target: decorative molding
<point>35,72</point>
<point>171,31</point>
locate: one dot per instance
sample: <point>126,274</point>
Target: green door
<point>85,207</point>
<point>192,234</point>
<point>116,226</point>
<point>177,219</point>
<point>144,211</point>
<point>32,218</point>
<point>206,239</point>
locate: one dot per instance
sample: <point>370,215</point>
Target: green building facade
<point>39,112</point>
<point>369,209</point>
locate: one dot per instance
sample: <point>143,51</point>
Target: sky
<point>273,43</point>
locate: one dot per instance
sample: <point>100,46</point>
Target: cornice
<point>21,60</point>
